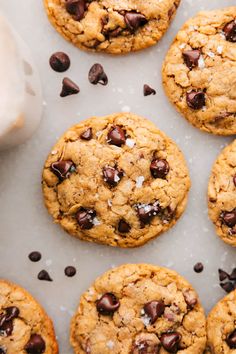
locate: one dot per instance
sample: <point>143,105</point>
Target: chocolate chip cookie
<point>116,180</point>
<point>137,309</point>
<point>222,194</point>
<point>109,25</point>
<point>24,325</point>
<point>199,72</point>
<point>221,328</point>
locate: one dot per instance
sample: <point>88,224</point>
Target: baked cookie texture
<point>111,26</point>
<point>136,309</point>
<point>221,329</point>
<point>116,180</point>
<point>199,71</point>
<point>222,194</point>
<point>24,325</point>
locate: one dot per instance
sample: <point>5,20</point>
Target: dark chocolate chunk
<point>134,20</point>
<point>223,275</point>
<point>6,320</point>
<point>123,227</point>
<point>70,271</point>
<point>154,309</point>
<point>69,88</point>
<point>170,341</point>
<point>116,136</point>
<point>147,90</point>
<point>159,168</point>
<point>229,217</point>
<point>36,345</point>
<point>63,169</point>
<point>112,175</point>
<point>198,267</point>
<point>231,340</point>
<point>87,134</point>
<point>196,99</point>
<point>190,298</point>
<point>97,75</point>
<point>43,275</point>
<point>59,62</point>
<point>35,256</point>
<point>11,313</point>
<point>191,58</point>
<point>147,212</point>
<point>85,218</point>
<point>76,8</point>
<point>108,304</point>
<point>230,31</point>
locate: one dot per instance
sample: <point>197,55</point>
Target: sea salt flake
<point>211,54</point>
<point>109,202</point>
<point>145,320</point>
<point>99,133</point>
<point>219,49</point>
<point>139,181</point>
<point>201,62</point>
<point>110,344</point>
<point>96,222</point>
<point>116,178</point>
<point>130,143</point>
<point>182,45</point>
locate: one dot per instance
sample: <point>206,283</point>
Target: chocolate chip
<point>123,227</point>
<point>43,275</point>
<point>198,267</point>
<point>35,256</point>
<point>112,175</point>
<point>191,58</point>
<point>147,90</point>
<point>63,169</point>
<point>223,275</point>
<point>11,313</point>
<point>70,271</point>
<point>234,180</point>
<point>134,20</point>
<point>196,99</point>
<point>97,75</point>
<point>116,136</point>
<point>6,327</point>
<point>108,304</point>
<point>85,218</point>
<point>69,88</point>
<point>6,320</point>
<point>231,340</point>
<point>87,134</point>
<point>230,31</point>
<point>232,275</point>
<point>170,341</point>
<point>190,298</point>
<point>227,287</point>
<point>229,217</point>
<point>154,309</point>
<point>36,345</point>
<point>159,168</point>
<point>147,212</point>
<point>59,62</point>
<point>76,8</point>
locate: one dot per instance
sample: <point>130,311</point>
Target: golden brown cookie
<point>24,325</point>
<point>199,71</point>
<point>109,25</point>
<point>136,309</point>
<point>116,180</point>
<point>222,194</point>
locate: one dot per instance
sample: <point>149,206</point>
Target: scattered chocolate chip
<point>36,345</point>
<point>70,271</point>
<point>170,341</point>
<point>76,8</point>
<point>97,75</point>
<point>231,340</point>
<point>108,304</point>
<point>147,212</point>
<point>196,99</point>
<point>134,20</point>
<point>227,287</point>
<point>116,136</point>
<point>234,180</point>
<point>232,275</point>
<point>87,134</point>
<point>43,275</point>
<point>190,298</point>
<point>229,217</point>
<point>112,175</point>
<point>35,256</point>
<point>230,31</point>
<point>85,218</point>
<point>159,168</point>
<point>59,62</point>
<point>123,227</point>
<point>198,268</point>
<point>63,169</point>
<point>223,275</point>
<point>154,309</point>
<point>147,90</point>
<point>191,58</point>
<point>69,88</point>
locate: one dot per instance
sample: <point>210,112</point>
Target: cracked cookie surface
<point>199,71</point>
<point>116,180</point>
<point>24,325</point>
<point>111,26</point>
<point>136,309</point>
<point>222,194</point>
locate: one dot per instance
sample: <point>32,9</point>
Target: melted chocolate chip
<point>134,20</point>
<point>145,347</point>
<point>159,168</point>
<point>70,271</point>
<point>116,136</point>
<point>196,99</point>
<point>234,180</point>
<point>154,309</point>
<point>76,8</point>
<point>63,169</point>
<point>6,327</point>
<point>85,218</point>
<point>59,62</point>
<point>87,134</point>
<point>230,31</point>
<point>198,267</point>
<point>147,90</point>
<point>231,340</point>
<point>191,58</point>
<point>97,75</point>
<point>112,175</point>
<point>227,287</point>
<point>147,212</point>
<point>170,341</point>
<point>11,313</point>
<point>43,275</point>
<point>123,227</point>
<point>223,275</point>
<point>229,217</point>
<point>36,345</point>
<point>35,256</point>
<point>6,320</point>
<point>69,88</point>
<point>108,304</point>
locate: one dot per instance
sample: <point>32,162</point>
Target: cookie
<point>137,309</point>
<point>221,328</point>
<point>116,180</point>
<point>222,194</point>
<point>199,71</point>
<point>111,26</point>
<point>24,325</point>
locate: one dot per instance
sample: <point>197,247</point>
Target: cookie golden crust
<point>136,307</point>
<point>199,71</point>
<point>222,195</point>
<point>25,326</point>
<point>115,180</point>
<point>221,329</point>
<point>111,26</point>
